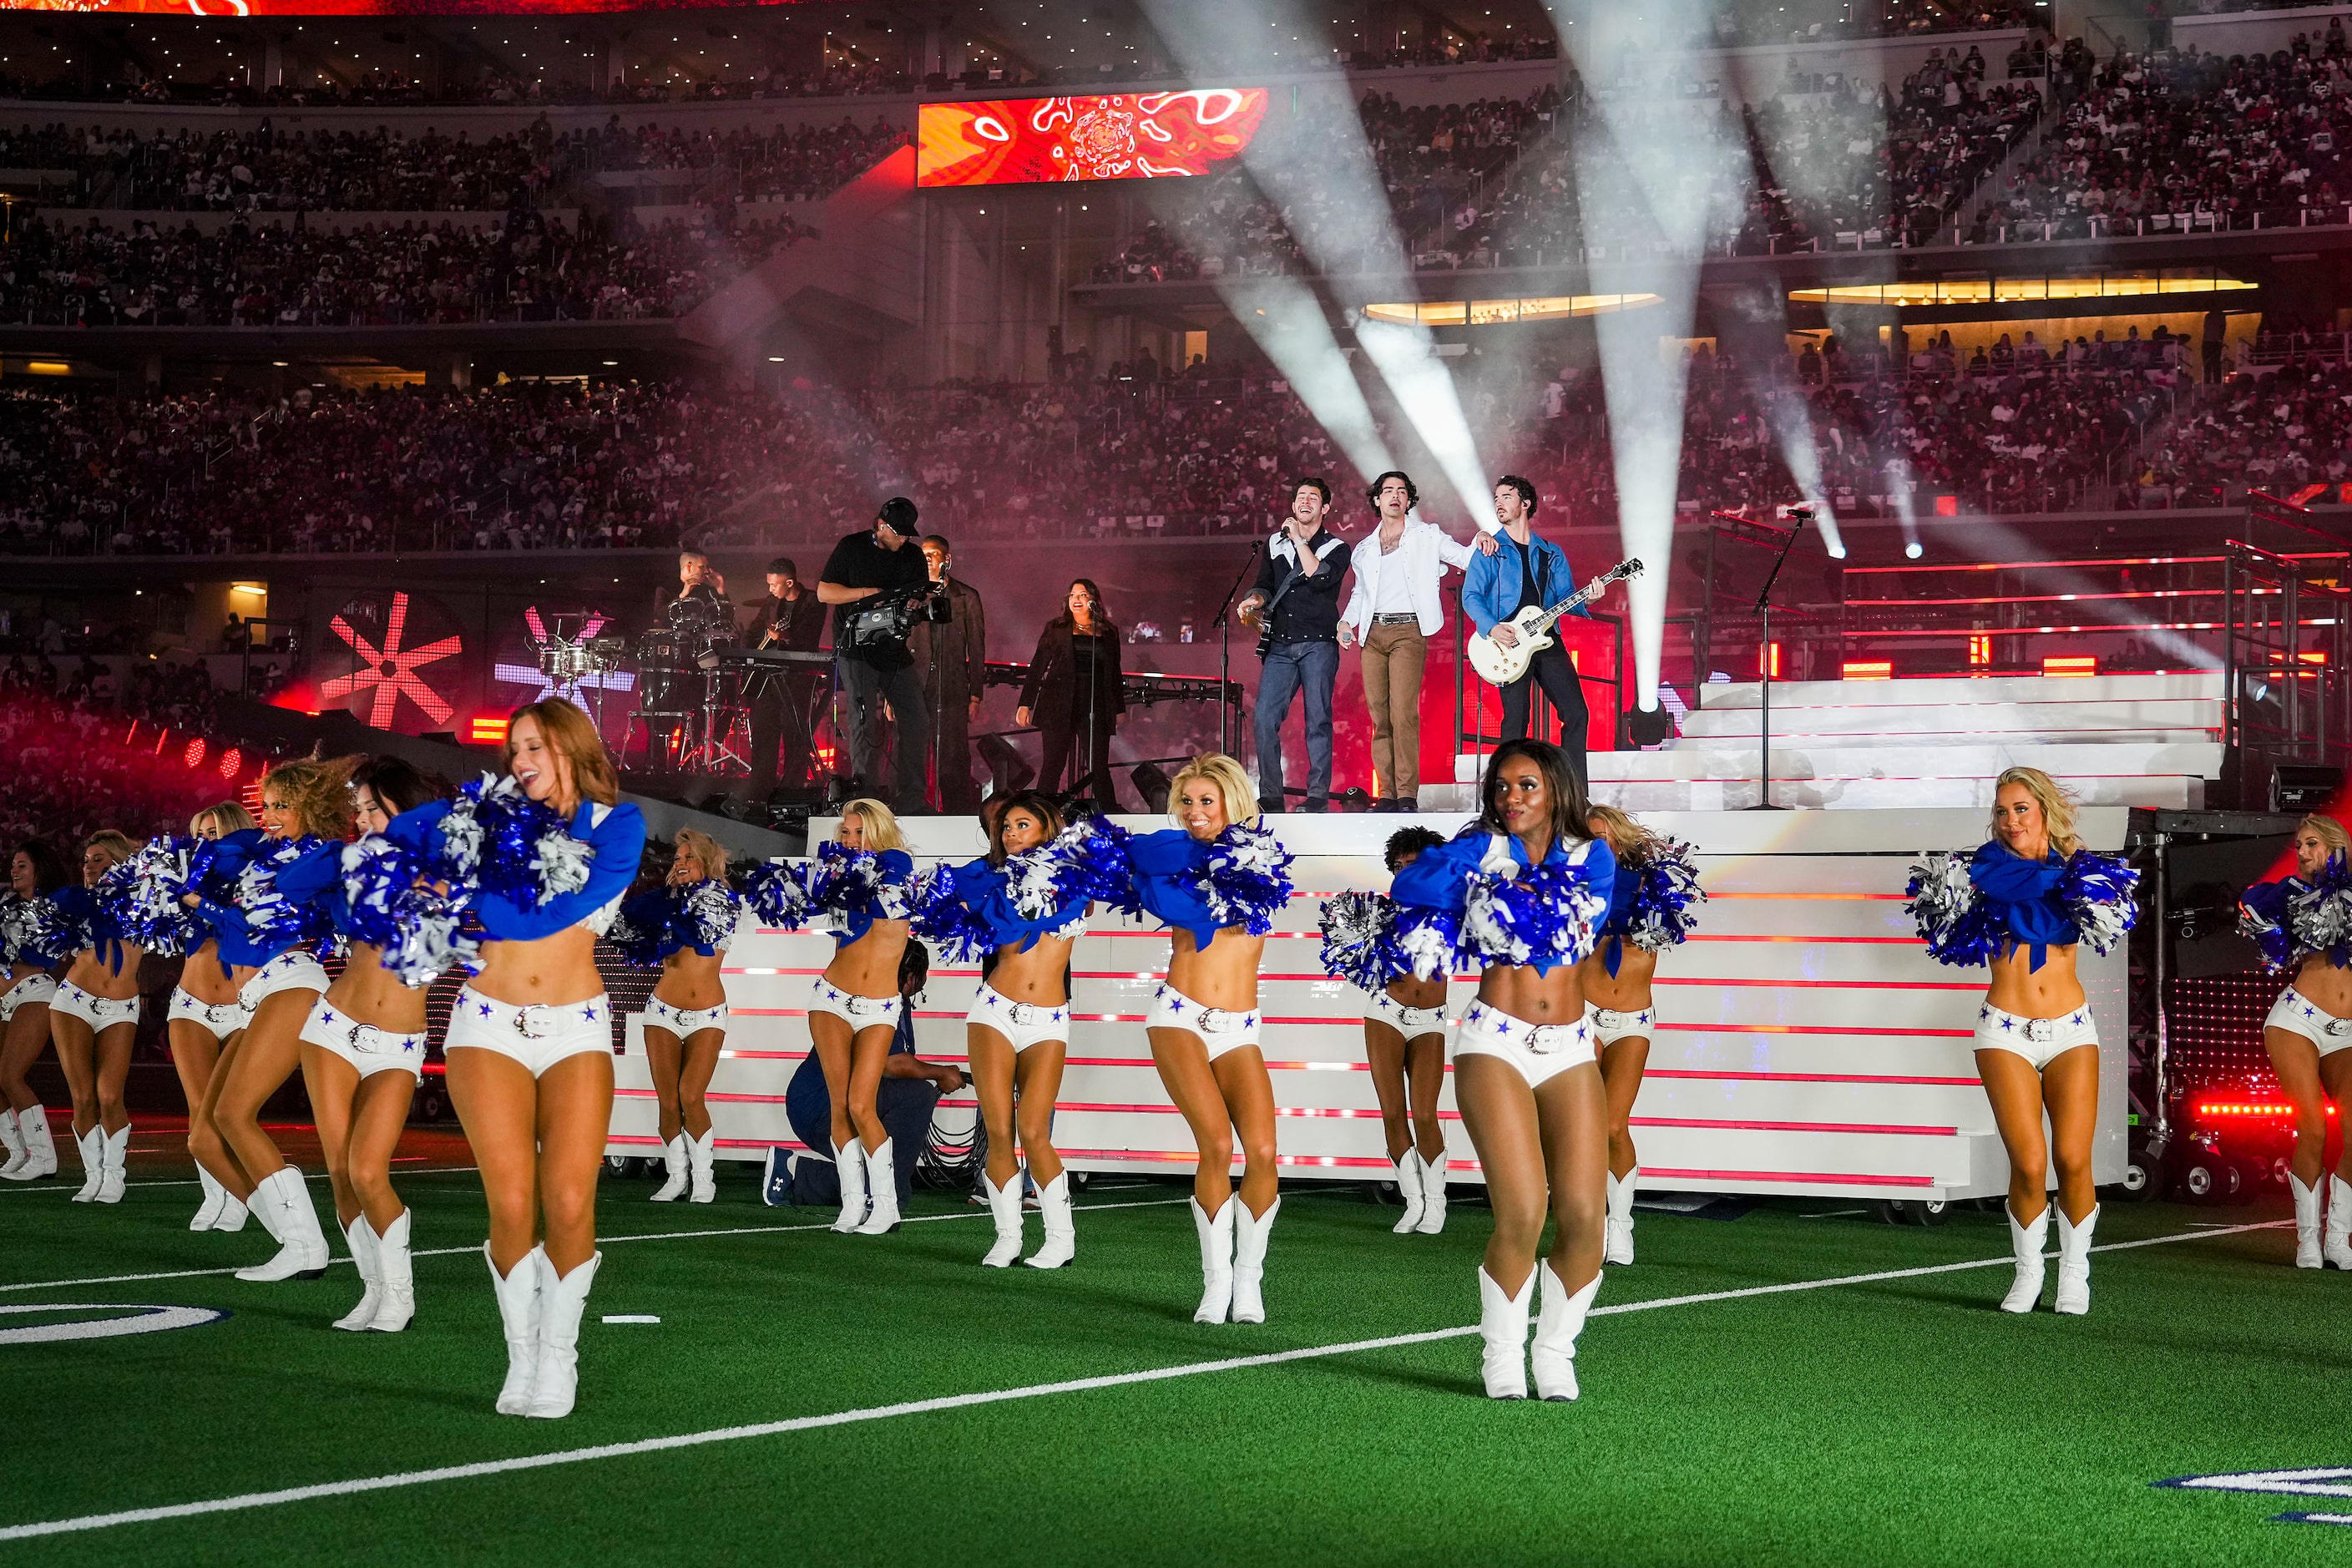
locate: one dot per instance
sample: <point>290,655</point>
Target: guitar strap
<point>1296,574</point>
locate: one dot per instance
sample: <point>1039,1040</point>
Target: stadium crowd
<point>2013,427</point>
<point>70,764</point>
<point>526,268</point>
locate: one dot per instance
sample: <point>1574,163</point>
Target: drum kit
<point>690,694</point>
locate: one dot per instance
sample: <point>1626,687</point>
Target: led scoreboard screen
<point>1119,136</point>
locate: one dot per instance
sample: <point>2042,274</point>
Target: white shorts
<point>1608,1025</point>
<point>857,1012</point>
<point>1539,1051</point>
<point>32,988</point>
<point>539,1036</point>
<point>223,1018</point>
<point>1216,1029</point>
<point>1022,1023</point>
<point>2298,1014</point>
<point>98,1012</point>
<point>683,1021</point>
<point>367,1049</point>
<point>2040,1041</point>
<point>1379,1007</point>
<point>293,970</point>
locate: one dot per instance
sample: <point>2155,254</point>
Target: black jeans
<point>779,726</point>
<point>1088,754</point>
<point>862,691</point>
<point>1551,670</point>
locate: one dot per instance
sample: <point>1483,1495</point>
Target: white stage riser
<point>1704,796</point>
<point>1963,693</point>
<point>1932,725</point>
<point>1803,760</point>
<point>1826,1056</point>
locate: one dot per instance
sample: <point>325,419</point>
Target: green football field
<point>1797,1383</point>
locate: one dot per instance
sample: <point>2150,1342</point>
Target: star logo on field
<point>390,671</point>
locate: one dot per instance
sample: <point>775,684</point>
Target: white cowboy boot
<point>362,1236</point>
<point>849,1163</point>
<point>208,1212</point>
<point>1250,1234</point>
<point>1619,1248</point>
<point>700,1153</point>
<point>40,1148</point>
<point>92,1148</point>
<point>1216,1260</point>
<point>881,1192</point>
<point>2306,1221</point>
<point>2025,1244</point>
<point>395,1278</point>
<point>1408,1174</point>
<point>2074,1263</point>
<point>113,1156</point>
<point>1061,1231</point>
<point>2336,1236</point>
<point>561,1302</point>
<point>673,1155</point>
<point>518,1294</point>
<point>1004,1208</point>
<point>1503,1329</point>
<point>302,1247</point>
<point>1558,1322</point>
<point>1433,1194</point>
<point>12,1139</point>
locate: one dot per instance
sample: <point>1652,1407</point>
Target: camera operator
<point>884,565</point>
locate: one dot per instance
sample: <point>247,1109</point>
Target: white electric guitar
<point>1532,629</point>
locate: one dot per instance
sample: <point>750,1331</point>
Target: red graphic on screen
<point>1126,136</point>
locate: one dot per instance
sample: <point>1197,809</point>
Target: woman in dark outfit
<point>1073,694</point>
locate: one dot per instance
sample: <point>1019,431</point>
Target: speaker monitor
<point>1008,770</point>
<point>1152,786</point>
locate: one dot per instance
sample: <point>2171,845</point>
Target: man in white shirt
<point>1393,613</point>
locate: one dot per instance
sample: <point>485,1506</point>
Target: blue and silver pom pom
<point>1959,928</point>
<point>150,914</point>
<point>1359,940</point>
<point>2098,891</point>
<point>1246,880</point>
<point>1666,899</point>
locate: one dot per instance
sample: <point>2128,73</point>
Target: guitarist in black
<point>1528,570</point>
<point>1296,605</point>
<point>885,559</point>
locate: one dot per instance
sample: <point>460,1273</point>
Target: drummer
<point>701,598</point>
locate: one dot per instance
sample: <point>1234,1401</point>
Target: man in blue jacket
<point>1528,570</point>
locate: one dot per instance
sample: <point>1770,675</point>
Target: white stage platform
<point>1807,1044</point>
<point>2148,741</point>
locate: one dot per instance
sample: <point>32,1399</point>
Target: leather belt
<point>1406,619</point>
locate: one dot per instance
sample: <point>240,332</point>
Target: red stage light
<point>2070,665</point>
<point>231,759</point>
<point>2248,1107</point>
<point>1867,670</point>
<point>488,732</point>
<point>193,757</point>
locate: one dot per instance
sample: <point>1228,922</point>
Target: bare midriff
<point>1516,991</point>
<point>368,993</point>
<point>1627,991</point>
<point>869,966</point>
<point>689,981</point>
<point>1035,976</point>
<point>546,972</point>
<point>2049,992</point>
<point>204,977</point>
<point>1223,974</point>
<point>2326,985</point>
<point>95,975</point>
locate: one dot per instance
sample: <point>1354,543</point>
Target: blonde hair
<point>1628,840</point>
<point>225,819</point>
<point>117,845</point>
<point>2057,806</point>
<point>318,792</point>
<point>572,733</point>
<point>878,823</point>
<point>695,845</point>
<point>1241,796</point>
<point>2331,833</point>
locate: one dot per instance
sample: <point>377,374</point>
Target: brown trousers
<point>1394,658</point>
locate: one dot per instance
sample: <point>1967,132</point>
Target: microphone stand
<point>1764,603</point>
<point>1225,649</point>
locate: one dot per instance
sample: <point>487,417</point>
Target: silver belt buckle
<point>2339,1027</point>
<point>1607,1018</point>
<point>2041,1031</point>
<point>1218,1021</point>
<point>1023,1014</point>
<point>864,1006</point>
<point>1546,1038</point>
<point>529,1027</point>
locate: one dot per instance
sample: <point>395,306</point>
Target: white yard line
<point>403,1478</point>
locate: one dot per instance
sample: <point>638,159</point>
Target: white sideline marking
<point>602,1241</point>
<point>958,1401</point>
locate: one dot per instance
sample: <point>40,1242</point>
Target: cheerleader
<point>684,927</point>
<point>265,933</point>
<point>2020,904</point>
<point>35,873</point>
<point>541,858</point>
<point>1519,896</point>
<point>2299,923</point>
<point>1404,1033</point>
<point>363,1040</point>
<point>204,1025</point>
<point>1648,911</point>
<point>1217,880</point>
<point>860,888</point>
<point>94,1015</point>
<point>1020,908</point>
